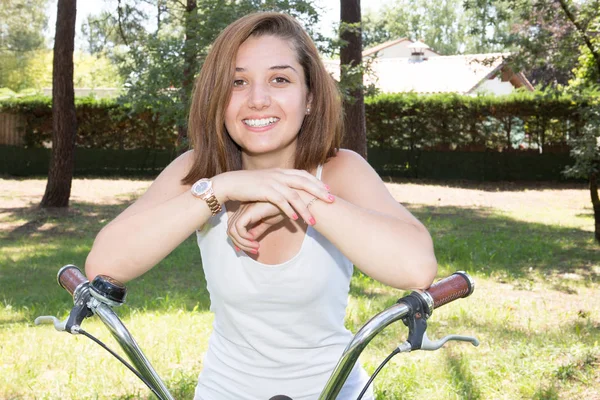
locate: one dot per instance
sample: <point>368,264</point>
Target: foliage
<point>585,147</point>
<point>22,23</point>
<point>539,121</point>
<point>546,44</point>
<point>156,62</point>
<point>534,121</point>
<point>102,124</point>
<point>445,25</point>
<point>35,72</point>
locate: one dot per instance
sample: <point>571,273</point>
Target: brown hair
<point>320,134</point>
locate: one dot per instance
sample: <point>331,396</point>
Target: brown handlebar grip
<point>70,277</point>
<point>457,285</point>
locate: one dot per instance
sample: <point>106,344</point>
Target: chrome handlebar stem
<point>129,346</point>
<point>357,345</point>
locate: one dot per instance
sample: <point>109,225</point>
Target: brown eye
<point>238,82</point>
<point>280,80</point>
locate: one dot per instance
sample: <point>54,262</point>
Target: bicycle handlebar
<point>442,292</point>
<point>70,278</point>
<point>453,287</point>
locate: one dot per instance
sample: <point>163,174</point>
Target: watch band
<point>213,203</point>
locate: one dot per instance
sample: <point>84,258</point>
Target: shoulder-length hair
<point>215,152</point>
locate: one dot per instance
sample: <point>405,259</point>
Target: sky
<point>87,7</point>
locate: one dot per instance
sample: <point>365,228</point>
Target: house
<point>405,66</point>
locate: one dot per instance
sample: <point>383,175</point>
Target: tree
<point>159,65</point>
<point>64,121</point>
<point>585,18</point>
<point>351,77</point>
<point>442,24</point>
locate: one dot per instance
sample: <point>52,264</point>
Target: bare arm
<point>149,229</point>
<point>379,235</point>
<point>167,214</point>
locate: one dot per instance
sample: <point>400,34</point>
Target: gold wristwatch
<point>203,189</point>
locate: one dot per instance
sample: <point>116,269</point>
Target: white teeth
<point>257,123</point>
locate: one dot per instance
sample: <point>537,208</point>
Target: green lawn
<point>535,309</point>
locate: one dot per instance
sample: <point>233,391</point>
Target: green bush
<point>455,122</point>
<point>101,124</point>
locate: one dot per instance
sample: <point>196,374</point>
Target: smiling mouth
<point>259,123</point>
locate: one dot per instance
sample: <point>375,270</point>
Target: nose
<point>259,97</point>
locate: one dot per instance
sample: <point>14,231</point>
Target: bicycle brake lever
<point>47,319</point>
<point>430,346</point>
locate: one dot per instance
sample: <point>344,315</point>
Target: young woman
<point>281,216</point>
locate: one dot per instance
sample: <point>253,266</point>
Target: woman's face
<point>269,98</point>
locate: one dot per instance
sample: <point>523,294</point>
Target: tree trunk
<point>64,120</point>
<point>355,131</point>
<point>189,68</point>
<point>595,204</point>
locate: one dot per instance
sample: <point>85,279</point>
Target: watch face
<point>201,187</point>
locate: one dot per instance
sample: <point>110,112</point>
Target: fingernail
<point>331,198</point>
<point>254,251</point>
<point>237,248</point>
<point>295,216</point>
<point>327,187</point>
<point>312,221</point>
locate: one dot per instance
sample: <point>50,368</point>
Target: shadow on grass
<point>480,241</point>
<point>494,245</point>
<point>500,186</point>
<point>39,242</point>
<point>460,377</point>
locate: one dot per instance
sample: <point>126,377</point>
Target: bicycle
<point>103,293</point>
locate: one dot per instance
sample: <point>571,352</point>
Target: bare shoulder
<point>179,167</point>
<point>346,170</point>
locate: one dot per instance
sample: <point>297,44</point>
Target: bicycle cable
<point>388,358</point>
<point>118,357</point>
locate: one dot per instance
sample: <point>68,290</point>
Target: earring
<point>307,110</point>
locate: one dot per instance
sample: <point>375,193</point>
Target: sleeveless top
<point>278,329</point>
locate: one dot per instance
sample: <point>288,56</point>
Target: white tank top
<point>278,329</point>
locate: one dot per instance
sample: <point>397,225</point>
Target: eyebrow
<point>274,67</point>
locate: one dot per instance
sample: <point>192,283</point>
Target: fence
<point>12,128</point>
<point>430,164</point>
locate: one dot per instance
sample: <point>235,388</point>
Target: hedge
<point>101,124</point>
<point>443,136</point>
<point>405,121</point>
<point>454,122</point>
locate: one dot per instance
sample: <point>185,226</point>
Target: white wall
<point>495,86</point>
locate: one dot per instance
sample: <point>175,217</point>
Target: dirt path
<point>502,196</point>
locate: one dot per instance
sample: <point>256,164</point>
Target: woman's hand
<point>276,186</point>
<point>250,221</point>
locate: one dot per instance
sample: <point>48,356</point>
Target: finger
<point>241,242</point>
<point>310,184</point>
<point>232,229</point>
<point>305,174</point>
<point>281,196</point>
<point>244,222</point>
<point>259,229</point>
<point>298,204</point>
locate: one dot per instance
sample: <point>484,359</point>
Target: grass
<point>529,248</point>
